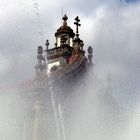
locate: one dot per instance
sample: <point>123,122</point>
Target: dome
<point>65,29</point>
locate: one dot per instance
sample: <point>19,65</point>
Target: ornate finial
<point>77,25</point>
<point>65,18</point>
<point>90,55</point>
<point>90,50</point>
<point>47,44</point>
<point>40,50</point>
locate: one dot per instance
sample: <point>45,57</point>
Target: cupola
<point>64,32</point>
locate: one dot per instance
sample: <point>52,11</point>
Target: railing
<point>55,51</point>
<point>58,51</point>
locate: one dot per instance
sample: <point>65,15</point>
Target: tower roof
<point>64,29</point>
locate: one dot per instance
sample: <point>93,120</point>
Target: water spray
<point>40,28</point>
<point>55,112</point>
<point>61,121</point>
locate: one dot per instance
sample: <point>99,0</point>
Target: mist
<point>104,104</point>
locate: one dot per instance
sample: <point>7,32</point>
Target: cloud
<point>4,64</point>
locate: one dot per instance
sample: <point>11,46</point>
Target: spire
<point>77,20</point>
<point>65,18</point>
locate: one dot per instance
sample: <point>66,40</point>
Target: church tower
<point>64,35</point>
<point>67,52</point>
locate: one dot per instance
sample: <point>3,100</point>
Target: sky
<point>131,0</point>
<point>111,27</point>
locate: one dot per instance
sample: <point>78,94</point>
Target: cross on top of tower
<point>77,25</point>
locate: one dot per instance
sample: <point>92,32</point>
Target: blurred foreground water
<point>90,110</point>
